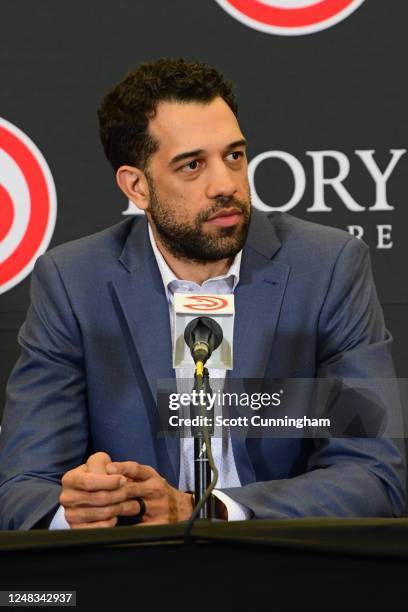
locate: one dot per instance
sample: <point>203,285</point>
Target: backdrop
<point>322,92</point>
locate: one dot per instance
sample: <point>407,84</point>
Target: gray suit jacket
<point>97,340</point>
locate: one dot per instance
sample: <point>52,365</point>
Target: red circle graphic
<point>290,18</point>
<point>6,212</point>
<point>274,17</point>
<point>42,205</point>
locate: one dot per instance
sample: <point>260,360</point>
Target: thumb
<point>97,463</point>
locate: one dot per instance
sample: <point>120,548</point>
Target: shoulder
<point>93,253</point>
<point>81,268</point>
<point>107,243</point>
<point>292,230</point>
<point>306,241</point>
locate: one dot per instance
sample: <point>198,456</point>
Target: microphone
<point>205,339</point>
<point>202,335</point>
<point>203,329</point>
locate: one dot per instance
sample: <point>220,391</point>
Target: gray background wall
<point>341,89</point>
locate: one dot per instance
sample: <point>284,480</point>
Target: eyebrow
<point>187,154</point>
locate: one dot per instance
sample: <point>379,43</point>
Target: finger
<point>87,481</point>
<point>97,463</point>
<point>131,469</point>
<point>73,498</point>
<point>129,508</point>
<point>148,489</point>
<point>91,515</point>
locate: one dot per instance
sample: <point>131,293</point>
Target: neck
<point>186,269</point>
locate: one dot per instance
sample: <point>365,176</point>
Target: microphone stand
<point>201,435</point>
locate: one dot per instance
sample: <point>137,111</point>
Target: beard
<point>188,241</point>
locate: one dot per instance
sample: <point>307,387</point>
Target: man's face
<point>199,199</point>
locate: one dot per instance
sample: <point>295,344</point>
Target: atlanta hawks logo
<point>28,205</point>
<point>289,17</point>
<point>205,302</point>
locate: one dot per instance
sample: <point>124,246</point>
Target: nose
<point>221,182</point>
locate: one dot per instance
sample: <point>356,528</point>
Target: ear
<point>132,181</point>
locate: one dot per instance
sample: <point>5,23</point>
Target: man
<point>79,446</point>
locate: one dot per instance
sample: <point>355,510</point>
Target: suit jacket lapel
<point>141,306</point>
<point>258,301</point>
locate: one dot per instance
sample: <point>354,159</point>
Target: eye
<point>191,166</point>
<point>235,155</point>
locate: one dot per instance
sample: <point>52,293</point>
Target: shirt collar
<point>169,277</point>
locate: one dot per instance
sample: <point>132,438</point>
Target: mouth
<point>226,217</point>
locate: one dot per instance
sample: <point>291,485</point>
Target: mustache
<point>223,203</point>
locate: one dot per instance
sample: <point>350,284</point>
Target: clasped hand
<point>96,493</point>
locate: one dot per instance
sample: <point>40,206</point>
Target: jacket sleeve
<point>347,476</point>
<point>45,425</point>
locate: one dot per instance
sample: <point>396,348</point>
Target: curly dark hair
<point>126,109</point>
